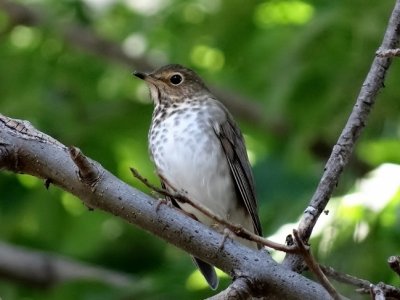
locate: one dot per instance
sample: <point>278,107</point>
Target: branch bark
<point>345,145</point>
<point>23,149</point>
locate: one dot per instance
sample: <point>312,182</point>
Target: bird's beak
<point>140,75</point>
<point>146,77</point>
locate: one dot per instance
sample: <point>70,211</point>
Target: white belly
<point>189,156</point>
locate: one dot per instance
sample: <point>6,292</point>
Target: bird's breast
<point>188,154</point>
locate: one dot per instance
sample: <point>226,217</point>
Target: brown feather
<point>232,142</point>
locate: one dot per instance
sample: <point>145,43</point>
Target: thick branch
<point>23,149</point>
<point>345,145</point>
<point>43,269</point>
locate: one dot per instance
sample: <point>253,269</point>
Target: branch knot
<point>87,171</point>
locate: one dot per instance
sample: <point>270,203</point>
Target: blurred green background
<point>297,67</point>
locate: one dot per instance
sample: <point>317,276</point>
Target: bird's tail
<point>208,272</point>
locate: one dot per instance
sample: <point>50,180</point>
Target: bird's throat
<point>155,94</point>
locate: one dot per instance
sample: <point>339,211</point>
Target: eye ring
<point>176,79</point>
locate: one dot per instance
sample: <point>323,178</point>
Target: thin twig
<point>237,229</point>
<point>345,278</point>
<point>363,285</point>
<point>314,266</point>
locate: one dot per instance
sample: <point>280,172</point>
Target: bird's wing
<point>235,150</point>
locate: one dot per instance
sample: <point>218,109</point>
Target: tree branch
<point>45,270</point>
<point>345,145</point>
<point>363,285</point>
<point>23,149</point>
<point>345,278</point>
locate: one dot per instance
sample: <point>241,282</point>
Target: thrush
<point>198,149</point>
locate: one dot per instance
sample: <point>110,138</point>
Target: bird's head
<point>173,83</point>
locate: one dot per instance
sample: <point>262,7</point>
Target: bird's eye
<point>176,79</point>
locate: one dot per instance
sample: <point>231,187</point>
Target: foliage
<point>302,61</point>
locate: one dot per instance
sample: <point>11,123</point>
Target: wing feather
<point>232,142</point>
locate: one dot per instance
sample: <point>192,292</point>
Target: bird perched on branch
<point>198,148</point>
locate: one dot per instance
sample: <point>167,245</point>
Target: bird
<point>198,149</point>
